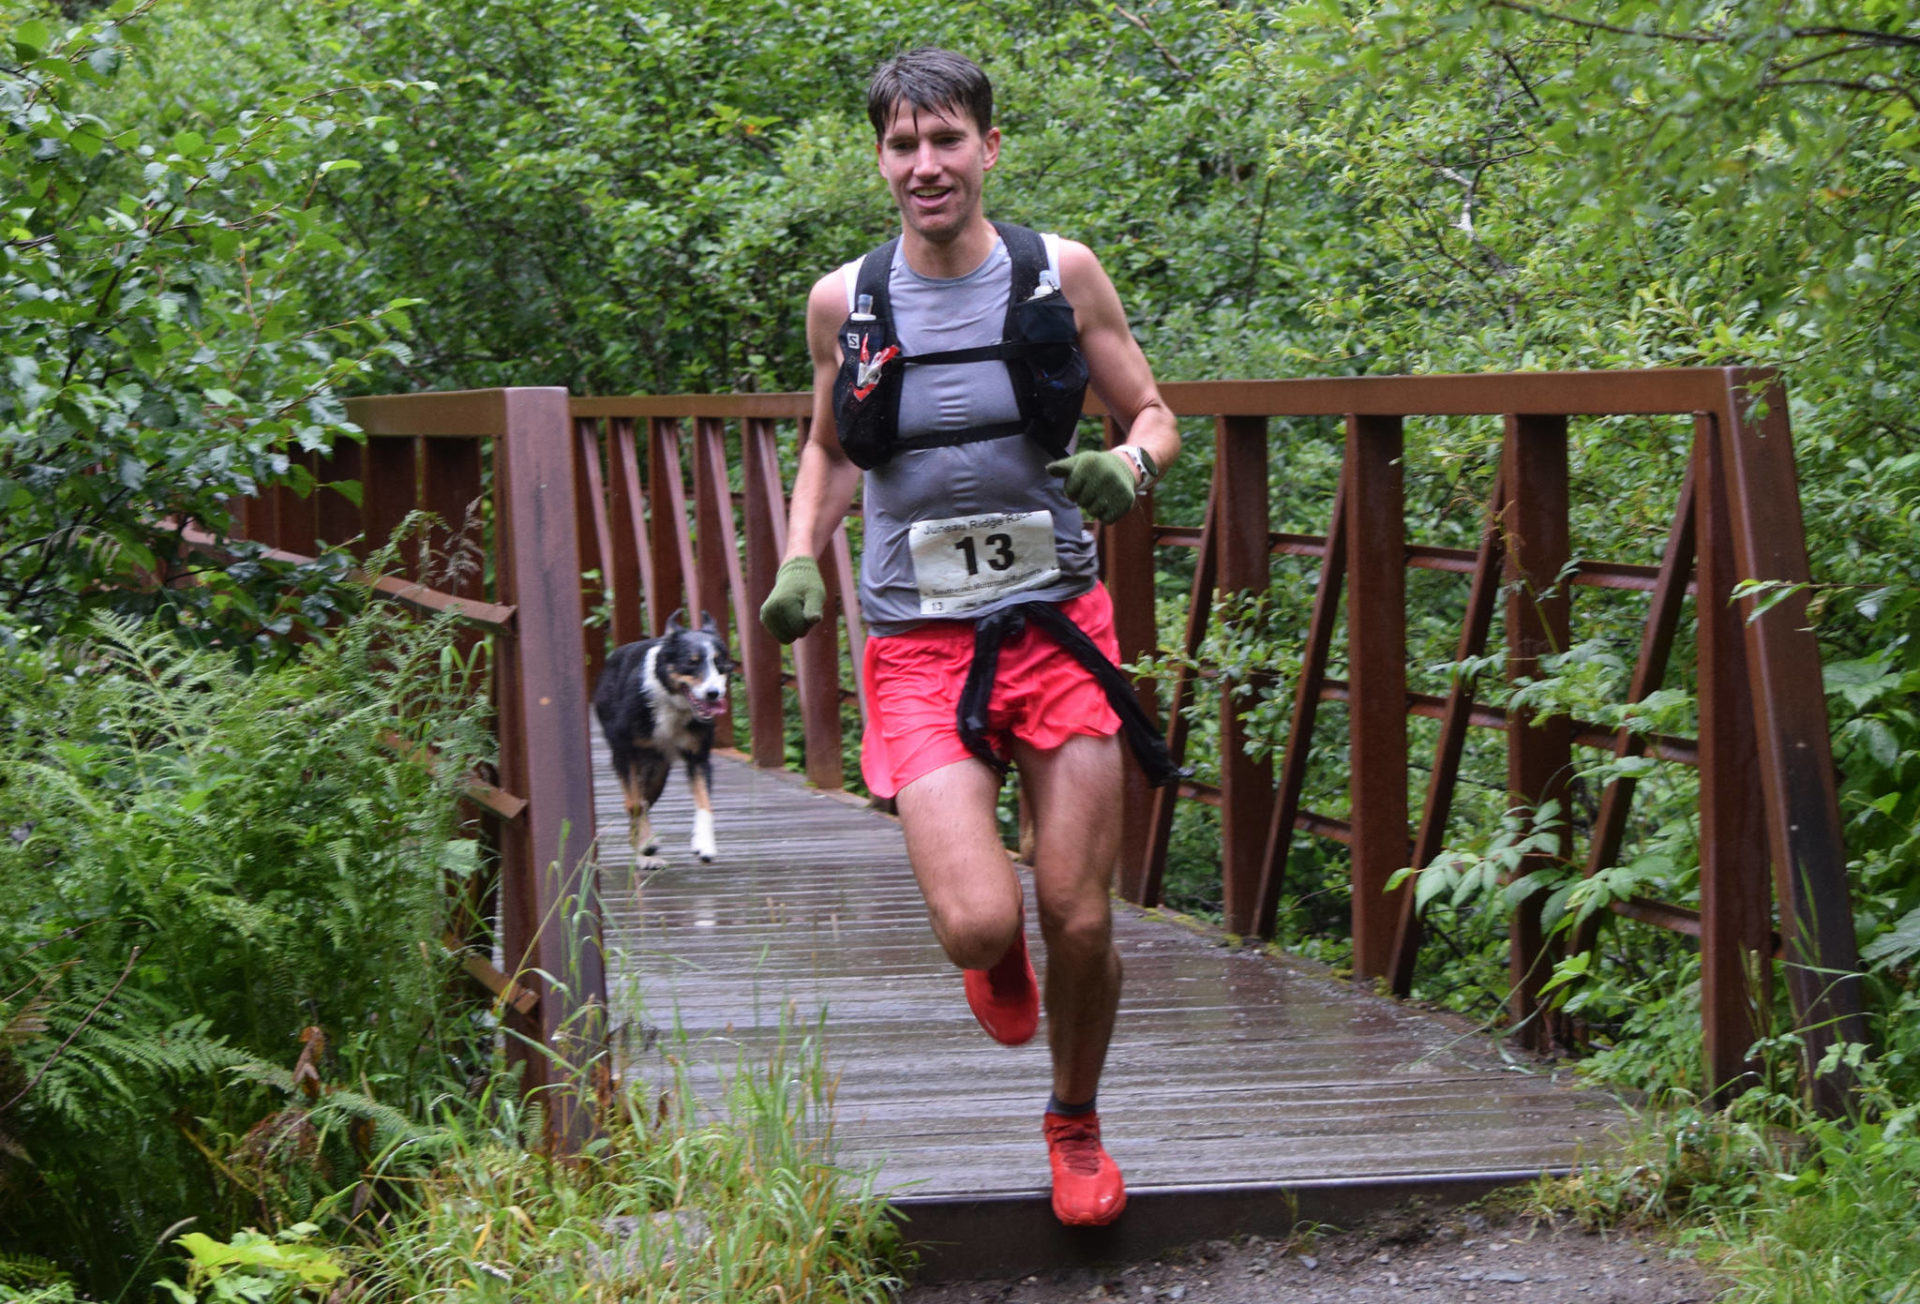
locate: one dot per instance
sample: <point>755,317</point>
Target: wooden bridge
<point>1243,1093</point>
<point>1266,1082</point>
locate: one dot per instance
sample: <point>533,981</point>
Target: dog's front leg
<point>703,844</point>
<point>639,827</point>
<point>644,843</point>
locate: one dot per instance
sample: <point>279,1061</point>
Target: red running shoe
<point>1087,1189</point>
<point>1006,998</point>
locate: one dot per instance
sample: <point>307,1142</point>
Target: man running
<point>949,367</point>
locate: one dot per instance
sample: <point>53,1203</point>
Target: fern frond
<point>30,1270</point>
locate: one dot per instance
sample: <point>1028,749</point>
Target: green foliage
<point>254,1268</point>
<point>621,200</point>
<point>1819,1212</point>
<point>204,863</point>
<point>160,357</point>
<point>676,1201</point>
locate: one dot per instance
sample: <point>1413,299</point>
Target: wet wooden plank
<point>1230,1071</point>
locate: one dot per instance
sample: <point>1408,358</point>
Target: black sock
<point>1057,1106</point>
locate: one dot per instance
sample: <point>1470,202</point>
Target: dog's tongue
<point>708,710</point>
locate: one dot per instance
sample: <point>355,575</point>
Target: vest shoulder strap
<point>1028,251</point>
<point>873,278</point>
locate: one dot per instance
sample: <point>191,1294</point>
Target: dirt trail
<point>1449,1256</point>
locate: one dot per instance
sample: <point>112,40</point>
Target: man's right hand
<point>799,595</point>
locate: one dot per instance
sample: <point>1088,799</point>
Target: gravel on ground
<point>1394,1259</point>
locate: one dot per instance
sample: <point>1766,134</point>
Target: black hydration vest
<point>1038,344</point>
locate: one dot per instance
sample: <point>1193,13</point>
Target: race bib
<point>966,562</point>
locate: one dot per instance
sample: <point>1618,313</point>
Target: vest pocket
<point>864,416</point>
<point>1058,370</point>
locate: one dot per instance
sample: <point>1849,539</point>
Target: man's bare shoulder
<point>1080,269</point>
<point>826,309</point>
<point>830,291</point>
<point>1076,257</point>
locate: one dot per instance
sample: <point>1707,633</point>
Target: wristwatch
<point>1145,472</point>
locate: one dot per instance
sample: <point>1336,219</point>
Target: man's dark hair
<point>932,79</point>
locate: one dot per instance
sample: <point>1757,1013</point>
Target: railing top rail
<point>460,413</point>
<point>1540,393</point>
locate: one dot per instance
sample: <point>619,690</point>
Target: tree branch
<point>1536,11</point>
<point>1165,53</point>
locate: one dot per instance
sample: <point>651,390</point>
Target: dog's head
<point>694,664</point>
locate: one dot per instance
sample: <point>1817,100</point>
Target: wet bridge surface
<point>1241,1093</point>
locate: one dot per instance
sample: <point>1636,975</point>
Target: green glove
<point>1098,482</point>
<point>795,604</point>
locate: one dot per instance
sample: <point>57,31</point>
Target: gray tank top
<point>960,531</point>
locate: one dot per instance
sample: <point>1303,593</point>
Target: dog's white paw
<point>647,860</point>
<point>703,844</point>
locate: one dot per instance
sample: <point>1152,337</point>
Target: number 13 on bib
<point>964,563</point>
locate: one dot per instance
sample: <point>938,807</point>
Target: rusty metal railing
<point>1769,817</point>
<point>496,465</point>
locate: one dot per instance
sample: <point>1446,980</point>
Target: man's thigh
<point>951,822</point>
<point>1076,793</point>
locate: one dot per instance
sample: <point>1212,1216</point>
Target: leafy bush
<point>161,359</point>
<point>209,871</point>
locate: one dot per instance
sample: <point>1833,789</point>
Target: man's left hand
<point>1100,483</point>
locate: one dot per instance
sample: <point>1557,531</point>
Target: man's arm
<point>1117,368</point>
<point>822,488</point>
<point>824,485</point>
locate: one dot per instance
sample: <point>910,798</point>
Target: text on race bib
<point>964,563</point>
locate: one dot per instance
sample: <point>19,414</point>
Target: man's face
<point>934,161</point>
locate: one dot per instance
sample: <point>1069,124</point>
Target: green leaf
<point>32,38</point>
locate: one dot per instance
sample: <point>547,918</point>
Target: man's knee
<point>976,935</point>
<point>1081,926</point>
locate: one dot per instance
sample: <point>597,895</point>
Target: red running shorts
<point>1041,696</point>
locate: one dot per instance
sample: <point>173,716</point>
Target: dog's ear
<point>708,625</point>
<point>673,622</point>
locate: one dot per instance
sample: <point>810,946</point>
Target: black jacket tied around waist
<point>1149,748</point>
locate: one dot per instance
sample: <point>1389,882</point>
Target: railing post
<point>816,672</point>
<point>552,923</point>
<point>1735,896</point>
<point>294,516</point>
<point>337,517</point>
<point>593,534</point>
<point>1377,706</point>
<point>1246,785</point>
<point>766,520</point>
<point>1126,568</point>
<point>634,592</point>
<point>673,568</point>
<point>390,490</point>
<point>717,564</point>
<point>1790,720</point>
<point>1539,750</point>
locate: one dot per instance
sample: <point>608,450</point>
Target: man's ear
<point>992,142</point>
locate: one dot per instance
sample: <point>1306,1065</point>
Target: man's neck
<point>948,259</point>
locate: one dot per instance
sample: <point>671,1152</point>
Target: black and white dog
<point>657,701</point>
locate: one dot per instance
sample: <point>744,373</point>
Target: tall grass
<point>677,1200</point>
<point>1790,1208</point>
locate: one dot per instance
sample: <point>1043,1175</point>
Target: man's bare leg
<point>953,843</point>
<point>1076,814</point>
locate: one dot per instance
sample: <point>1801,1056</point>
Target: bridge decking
<point>1241,1092</point>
